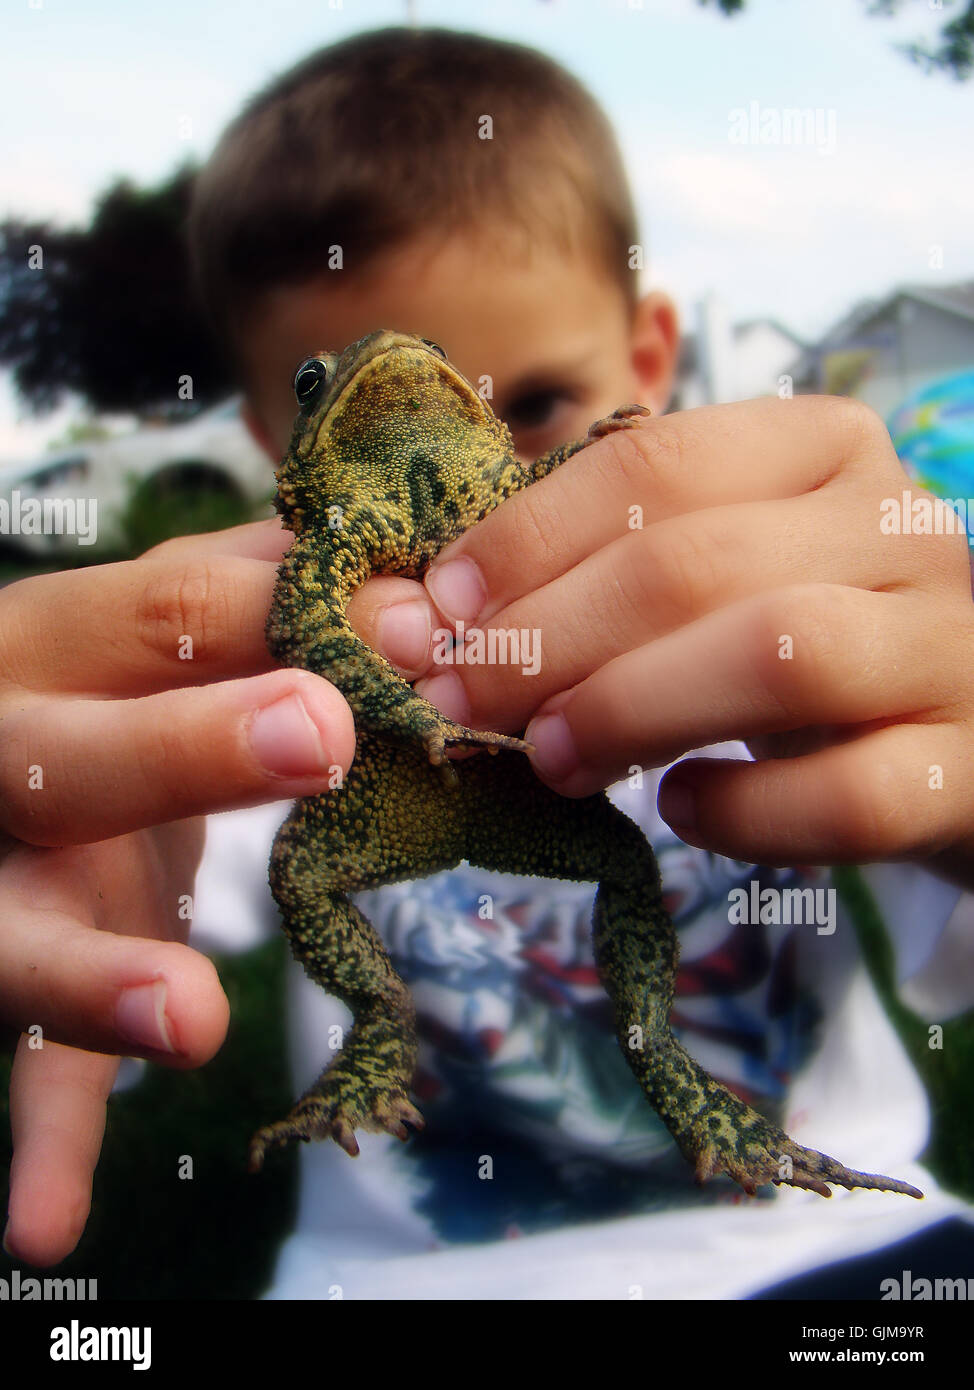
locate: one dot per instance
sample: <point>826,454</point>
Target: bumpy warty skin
<point>393,455</point>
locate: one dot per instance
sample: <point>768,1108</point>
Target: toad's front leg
<point>307,627</point>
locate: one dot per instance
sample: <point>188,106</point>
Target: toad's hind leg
<point>516,825</point>
<point>393,819</point>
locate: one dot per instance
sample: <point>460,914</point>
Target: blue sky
<point>92,89</point>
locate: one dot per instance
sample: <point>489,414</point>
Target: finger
<point>253,540</point>
<point>151,876</point>
<point>67,983</point>
<point>74,772</point>
<point>807,655</point>
<point>167,870</point>
<point>647,583</point>
<point>902,791</point>
<point>139,626</point>
<point>682,463</point>
<point>57,1121</point>
<point>395,616</point>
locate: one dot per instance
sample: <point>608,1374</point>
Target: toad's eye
<point>435,346</point>
<point>312,374</point>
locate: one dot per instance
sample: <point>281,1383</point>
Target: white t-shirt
<point>543,1172</point>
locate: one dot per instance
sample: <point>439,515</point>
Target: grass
<point>945,1070</point>
<point>153,1234</point>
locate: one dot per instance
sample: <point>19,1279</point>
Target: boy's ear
<point>257,430</point>
<point>656,348</point>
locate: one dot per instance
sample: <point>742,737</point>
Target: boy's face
<point>554,334</point>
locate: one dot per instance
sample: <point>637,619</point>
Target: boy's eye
<point>312,374</point>
<point>534,410</point>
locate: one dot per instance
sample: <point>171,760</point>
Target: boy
<point>511,251</point>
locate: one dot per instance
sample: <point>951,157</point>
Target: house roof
<point>949,299</point>
<point>957,299</point>
<point>953,299</point>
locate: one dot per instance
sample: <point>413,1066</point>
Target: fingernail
<point>458,589</point>
<point>446,692</point>
<point>286,740</point>
<point>677,804</point>
<point>140,1016</point>
<point>403,633</point>
<point>555,755</point>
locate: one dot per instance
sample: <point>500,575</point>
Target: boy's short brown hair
<point>374,141</point>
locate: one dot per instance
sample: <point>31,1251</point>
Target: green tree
<point>108,311</point>
<point>951,51</point>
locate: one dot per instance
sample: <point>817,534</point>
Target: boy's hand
<point>760,600</point>
<point>106,731</point>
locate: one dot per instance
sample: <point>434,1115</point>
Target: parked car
<point>155,481</point>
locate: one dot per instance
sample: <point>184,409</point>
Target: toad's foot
<point>445,734</point>
<point>622,419</point>
<point>636,950</point>
<point>338,1104</point>
<point>732,1138</point>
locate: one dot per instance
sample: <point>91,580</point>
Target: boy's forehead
<point>496,308</point>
